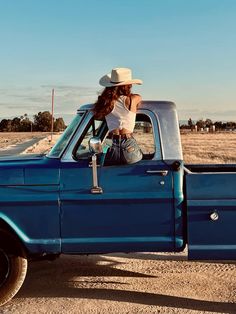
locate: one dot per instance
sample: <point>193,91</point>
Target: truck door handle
<point>160,172</point>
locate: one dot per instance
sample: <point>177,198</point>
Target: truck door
<point>211,215</point>
<point>135,212</point>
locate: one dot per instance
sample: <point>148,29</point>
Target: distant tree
<point>200,123</point>
<point>5,125</point>
<point>25,123</point>
<point>208,123</point>
<point>224,125</point>
<point>230,125</point>
<point>218,125</point>
<point>42,121</point>
<point>15,124</point>
<point>190,123</point>
<point>59,125</point>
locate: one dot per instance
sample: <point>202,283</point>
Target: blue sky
<point>183,50</point>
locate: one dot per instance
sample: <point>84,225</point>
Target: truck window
<point>63,141</point>
<point>143,134</point>
<point>94,128</point>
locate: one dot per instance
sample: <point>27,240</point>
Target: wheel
<point>13,267</point>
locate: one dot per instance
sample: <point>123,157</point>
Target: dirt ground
<point>127,283</point>
<point>131,283</point>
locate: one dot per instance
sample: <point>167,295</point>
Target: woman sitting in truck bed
<point>118,106</point>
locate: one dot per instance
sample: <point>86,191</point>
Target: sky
<point>183,50</point>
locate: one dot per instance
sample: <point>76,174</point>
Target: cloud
<point>71,90</point>
<point>15,101</point>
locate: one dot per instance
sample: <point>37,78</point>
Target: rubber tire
<point>14,266</point>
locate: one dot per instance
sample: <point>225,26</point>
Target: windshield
<point>64,139</point>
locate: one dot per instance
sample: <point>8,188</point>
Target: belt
<point>121,136</point>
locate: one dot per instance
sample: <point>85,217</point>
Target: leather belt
<point>121,136</point>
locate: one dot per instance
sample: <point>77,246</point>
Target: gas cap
<point>214,216</point>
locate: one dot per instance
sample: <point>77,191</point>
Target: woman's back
<point>121,117</point>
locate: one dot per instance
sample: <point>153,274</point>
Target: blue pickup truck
<point>70,202</point>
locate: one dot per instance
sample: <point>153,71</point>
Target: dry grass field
<point>209,147</point>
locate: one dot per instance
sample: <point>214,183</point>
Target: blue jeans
<point>123,151</point>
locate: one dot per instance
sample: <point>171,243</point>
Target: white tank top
<point>121,117</point>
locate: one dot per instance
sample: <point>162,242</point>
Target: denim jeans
<point>123,151</point>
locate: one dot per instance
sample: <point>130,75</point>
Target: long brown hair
<point>106,100</point>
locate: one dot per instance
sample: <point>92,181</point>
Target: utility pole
<point>52,113</point>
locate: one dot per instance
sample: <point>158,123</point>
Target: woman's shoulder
<point>132,101</point>
<point>135,95</point>
<point>136,98</point>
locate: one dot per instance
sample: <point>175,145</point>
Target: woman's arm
<point>135,100</point>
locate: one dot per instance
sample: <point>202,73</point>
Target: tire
<point>13,266</point>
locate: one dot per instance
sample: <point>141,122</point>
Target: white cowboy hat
<point>118,77</point>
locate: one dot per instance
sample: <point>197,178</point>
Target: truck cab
<point>140,206</point>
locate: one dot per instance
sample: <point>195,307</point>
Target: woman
<point>118,106</point>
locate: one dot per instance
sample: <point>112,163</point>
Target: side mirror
<point>95,145</point>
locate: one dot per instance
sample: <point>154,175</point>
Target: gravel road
<point>19,148</point>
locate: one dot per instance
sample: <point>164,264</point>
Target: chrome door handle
<point>160,172</point>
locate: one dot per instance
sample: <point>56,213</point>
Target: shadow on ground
<point>58,280</point>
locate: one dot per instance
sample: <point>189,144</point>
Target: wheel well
<point>10,240</point>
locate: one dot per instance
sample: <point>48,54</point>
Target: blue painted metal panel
<point>211,185</point>
<point>11,176</point>
<point>41,176</point>
<point>134,213</point>
<point>30,206</point>
<point>208,193</point>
